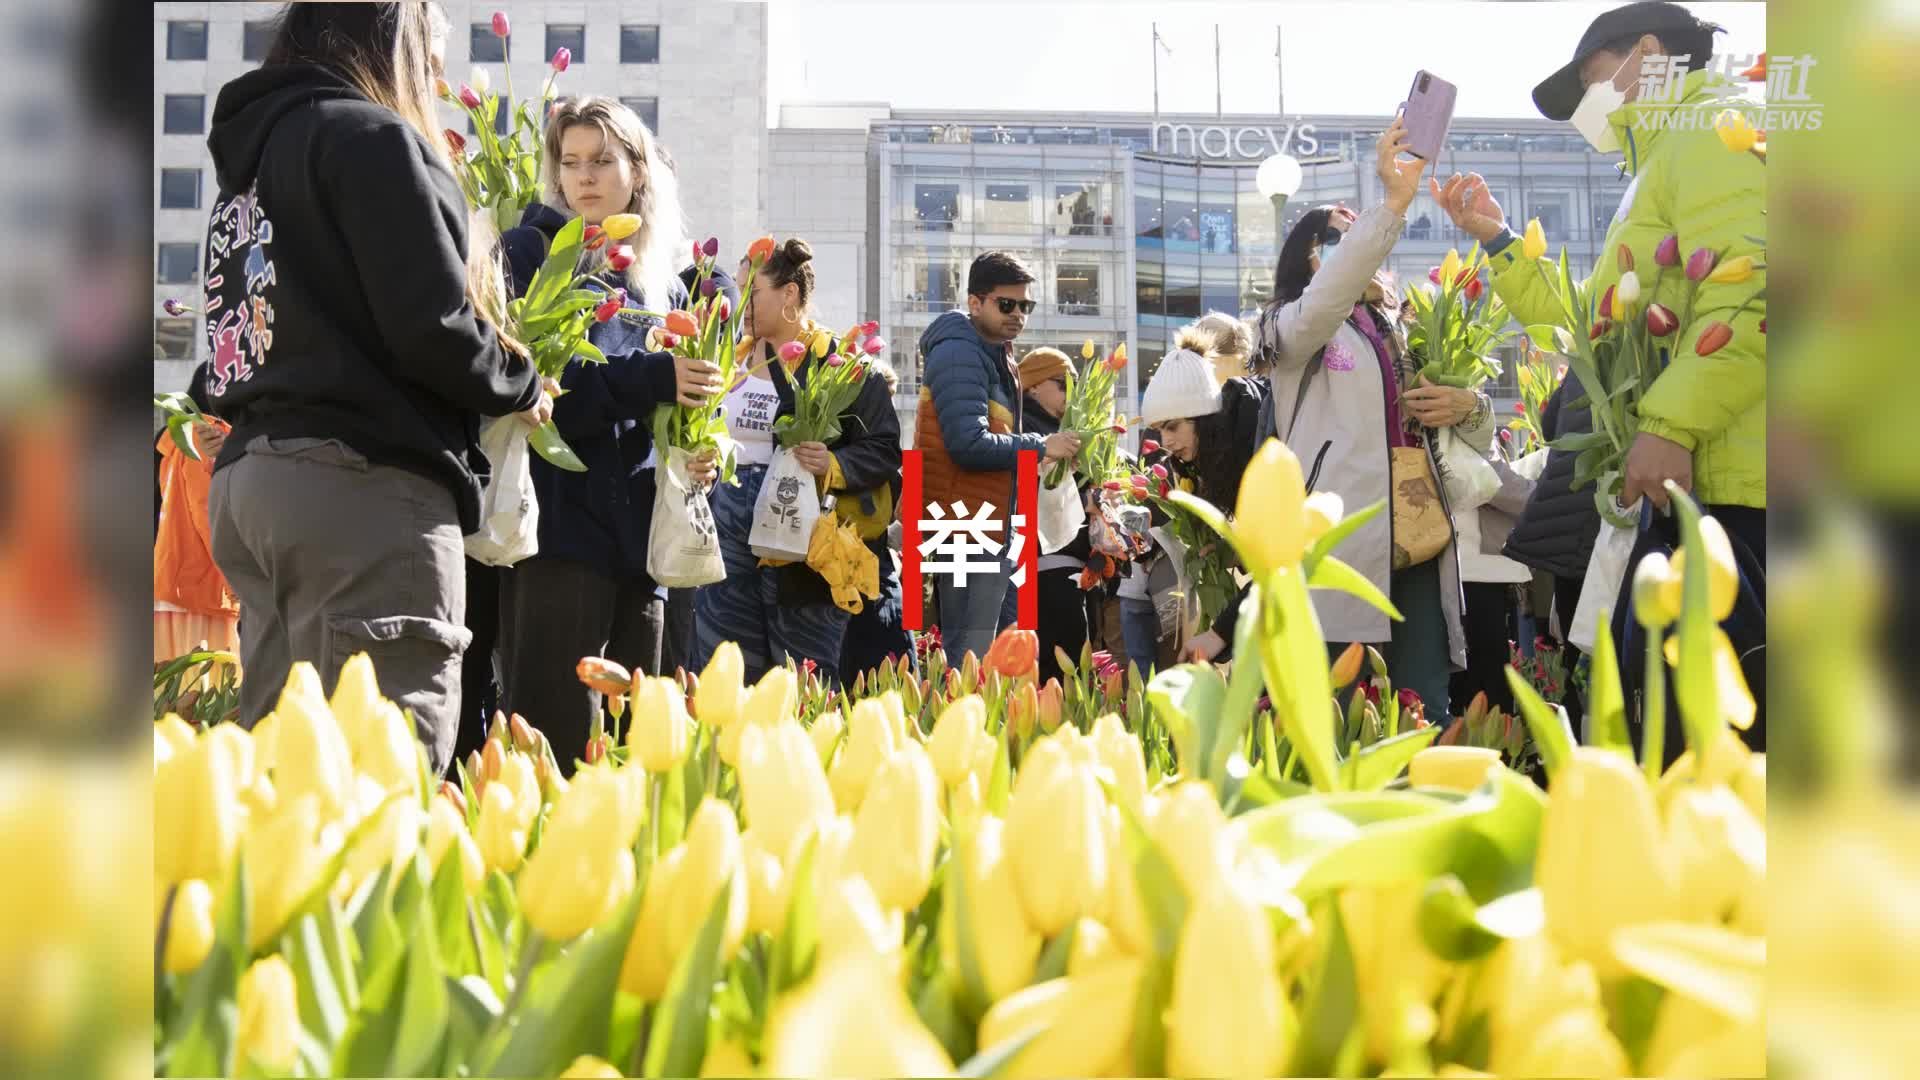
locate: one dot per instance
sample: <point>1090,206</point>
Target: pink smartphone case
<point>1429,113</point>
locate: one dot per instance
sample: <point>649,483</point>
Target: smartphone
<point>1429,112</point>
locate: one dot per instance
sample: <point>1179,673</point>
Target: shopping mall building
<point>1134,226</point>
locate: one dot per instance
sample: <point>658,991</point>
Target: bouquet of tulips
<point>1457,323</point>
<point>1089,412</point>
<point>711,330</point>
<point>831,387</point>
<point>1538,379</point>
<point>1207,564</point>
<point>501,173</point>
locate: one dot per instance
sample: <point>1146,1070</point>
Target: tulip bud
<point>696,257</point>
<point>1713,338</point>
<point>1655,604</point>
<point>583,868</point>
<point>1763,325</point>
<point>1628,294</point>
<point>649,960</point>
<point>1451,768</point>
<point>441,89</point>
<point>708,287</point>
<point>898,829</point>
<point>620,258</point>
<point>475,775</point>
<point>588,1067</point>
<point>951,744</point>
<point>1661,320</point>
<point>1006,948</point>
<point>1735,131</point>
<point>621,226</point>
<point>481,80</point>
<point>713,862</point>
<point>197,813</point>
<point>661,735</point>
<point>602,676</point>
<point>1433,274</point>
<point>760,250</point>
<point>1668,252</point>
<point>873,345</point>
<point>595,237</point>
<point>189,927</point>
<point>1270,515</point>
<point>605,312</point>
<point>1058,814</point>
<point>562,57</point>
<point>1113,485</point>
<point>311,755</point>
<point>1607,308</point>
<point>681,323</point>
<point>1701,263</point>
<point>669,341</point>
<point>1150,446</point>
<point>1733,271</point>
<point>1347,668</point>
<point>783,786</point>
<point>1602,864</point>
<point>501,28</point>
<point>1118,751</point>
<point>1623,258</point>
<point>1600,329</point>
<point>267,1028</point>
<point>1474,289</point>
<point>1534,243</point>
<point>712,247</point>
<point>468,98</point>
<point>1228,1015</point>
<point>1723,573</point>
<point>447,832</point>
<point>792,352</point>
<point>825,733</point>
<point>725,308</point>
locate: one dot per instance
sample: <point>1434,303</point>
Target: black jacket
<point>336,285</point>
<point>1557,529</point>
<point>868,451</point>
<point>1242,402</point>
<point>602,517</point>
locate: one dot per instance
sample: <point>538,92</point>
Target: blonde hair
<point>1217,335</point>
<point>659,247</point>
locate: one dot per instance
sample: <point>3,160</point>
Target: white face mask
<point>1590,116</point>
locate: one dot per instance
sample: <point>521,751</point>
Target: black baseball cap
<point>1560,93</point>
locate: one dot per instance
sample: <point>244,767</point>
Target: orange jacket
<point>183,570</point>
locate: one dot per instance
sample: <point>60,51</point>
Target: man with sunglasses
<point>969,430</point>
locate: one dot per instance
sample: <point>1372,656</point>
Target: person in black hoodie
<point>1063,605</point>
<point>356,344</point>
<point>587,591</point>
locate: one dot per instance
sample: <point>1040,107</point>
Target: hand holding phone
<point>1429,113</point>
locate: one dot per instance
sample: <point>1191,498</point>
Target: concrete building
<point>695,72</point>
<point>1135,227</point>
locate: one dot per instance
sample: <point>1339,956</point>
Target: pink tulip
<point>696,253</point>
<point>621,257</point>
<point>1701,263</point>
<point>1668,253</point>
<point>870,327</point>
<point>1113,485</point>
<point>792,351</point>
<point>455,141</point>
<point>1661,320</point>
<point>835,360</point>
<point>873,345</point>
<point>468,97</point>
<point>1148,446</point>
<point>726,308</point>
<point>501,28</point>
<point>1159,471</point>
<point>562,57</point>
<point>175,308</point>
<point>1433,275</point>
<point>711,247</point>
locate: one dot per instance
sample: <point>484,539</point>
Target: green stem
<point>713,764</point>
<point>1653,708</point>
<point>529,952</point>
<point>160,935</point>
<point>655,782</point>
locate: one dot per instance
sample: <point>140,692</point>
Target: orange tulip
<point>681,323</point>
<point>1014,653</point>
<point>603,675</point>
<point>1050,700</point>
<point>760,250</point>
<point>1713,338</point>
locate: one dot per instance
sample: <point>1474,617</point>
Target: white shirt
<point>749,411</point>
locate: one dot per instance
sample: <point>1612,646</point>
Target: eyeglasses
<point>1330,236</point>
<point>1008,303</point>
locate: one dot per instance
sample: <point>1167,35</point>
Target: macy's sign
<point>1219,141</point>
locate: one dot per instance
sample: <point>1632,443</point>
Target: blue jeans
<point>970,616</point>
<point>1140,629</point>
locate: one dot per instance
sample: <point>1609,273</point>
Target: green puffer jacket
<point>1685,182</point>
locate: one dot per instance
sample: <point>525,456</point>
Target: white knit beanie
<point>1183,386</point>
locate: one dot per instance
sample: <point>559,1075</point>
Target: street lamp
<point>1278,178</point>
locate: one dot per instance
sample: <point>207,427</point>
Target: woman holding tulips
<point>1347,400</point>
<point>788,611</point>
<point>587,592</point>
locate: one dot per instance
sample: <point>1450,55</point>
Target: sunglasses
<point>1007,305</point>
<point>1330,236</point>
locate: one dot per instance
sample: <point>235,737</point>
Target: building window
<point>482,46</point>
<point>1006,207</point>
<point>184,114</point>
<point>647,109</point>
<point>571,37</point>
<point>186,39</point>
<point>933,285</point>
<point>1149,290</point>
<point>500,119</point>
<point>178,264</point>
<point>256,37</point>
<point>1076,210</point>
<point>1076,289</point>
<point>179,189</point>
<point>936,206</point>
<point>639,44</point>
<point>1147,228</point>
<point>173,339</point>
<point>1554,211</point>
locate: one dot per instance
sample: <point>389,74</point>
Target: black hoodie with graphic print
<point>336,285</point>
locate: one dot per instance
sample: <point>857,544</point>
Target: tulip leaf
<point>1149,1016</point>
<point>1293,656</point>
<point>1720,968</point>
<point>1053,959</point>
<point>423,1005</point>
<point>1000,783</point>
<point>1332,1007</point>
<point>1552,733</point>
<point>995,1060</point>
<point>1449,924</point>
<point>1263,789</point>
<point>1376,766</point>
<point>793,950</point>
<point>546,442</point>
<point>567,1005</point>
<point>938,1010</point>
<point>204,1021</point>
<point>1606,702</point>
<point>449,906</point>
<point>678,1042</point>
<point>1189,700</point>
<point>1336,576</point>
<point>1244,684</point>
<point>473,1009</point>
<point>1334,536</point>
<point>323,1008</point>
<point>1695,685</point>
<point>374,927</point>
<point>971,993</point>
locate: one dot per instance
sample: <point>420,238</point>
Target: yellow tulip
<point>1324,511</point>
<point>897,830</point>
<point>1086,1022</point>
<point>772,699</point>
<point>766,885</point>
<point>1601,864</point>
<point>1750,783</point>
<point>1005,947</point>
<point>1450,267</point>
<point>1723,574</point>
<point>197,814</point>
<point>1690,1039</point>
<point>1720,852</point>
<point>1270,517</point>
<point>1086,350</point>
<point>583,869</point>
<point>266,737</point>
<point>1452,768</point>
<point>620,226</point>
<point>1393,969</point>
<point>1059,857</point>
<point>1228,1015</point>
<point>171,738</point>
<point>782,786</point>
<point>1656,592</point>
<point>661,735</point>
<point>871,739</point>
<point>1733,271</point>
<point>819,343</point>
<point>356,700</point>
<point>852,1019</point>
<point>508,806</point>
<point>649,961</point>
<point>268,1026</point>
<point>1186,823</point>
<point>388,838</point>
<point>966,803</point>
<point>389,753</point>
<point>726,1058</point>
<point>286,855</point>
<point>1735,131</point>
<point>853,920</point>
<point>825,732</point>
<point>1534,243</point>
<point>721,693</point>
<point>310,755</point>
<point>588,1067</point>
<point>1123,913</point>
<point>1574,1043</point>
<point>712,863</point>
<point>1118,751</point>
<point>1093,947</point>
<point>447,832</point>
<point>953,737</point>
<point>189,927</point>
<point>832,840</point>
<point>1736,697</point>
<point>1521,986</point>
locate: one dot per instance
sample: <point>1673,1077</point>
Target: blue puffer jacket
<point>601,517</point>
<point>967,430</point>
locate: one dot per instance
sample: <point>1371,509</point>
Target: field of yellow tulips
<point>960,874</point>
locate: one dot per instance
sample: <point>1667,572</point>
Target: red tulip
<point>1668,253</point>
<point>712,247</point>
<point>501,28</point>
<point>726,308</point>
<point>1119,429</point>
<point>679,322</point>
<point>595,236</point>
<point>668,341</point>
<point>603,675</point>
<point>606,311</point>
<point>1117,362</point>
<point>1433,275</point>
<point>621,257</point>
<point>1113,485</point>
<point>1763,326</point>
<point>792,351</point>
<point>760,250</point>
<point>1661,320</point>
<point>696,253</point>
<point>1701,263</point>
<point>1600,329</point>
<point>1711,339</point>
<point>596,749</point>
<point>1606,302</point>
<point>872,345</point>
<point>455,141</point>
<point>1160,472</point>
<point>451,792</point>
<point>468,97</point>
<point>1149,446</point>
<point>1164,488</point>
<point>562,57</point>
<point>1474,289</point>
<point>1623,258</point>
<point>870,327</point>
<point>1465,273</point>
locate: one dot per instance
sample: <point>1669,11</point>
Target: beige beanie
<point>1182,386</point>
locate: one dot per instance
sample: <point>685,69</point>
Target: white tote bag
<point>1062,514</point>
<point>683,550</point>
<point>1469,478</point>
<point>1600,589</point>
<point>509,512</point>
<point>786,511</point>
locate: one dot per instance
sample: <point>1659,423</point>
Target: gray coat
<point>1341,431</point>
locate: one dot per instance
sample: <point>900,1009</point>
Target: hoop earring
<point>790,320</point>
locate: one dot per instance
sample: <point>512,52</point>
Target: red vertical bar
<point>910,514</point>
<point>1027,504</point>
